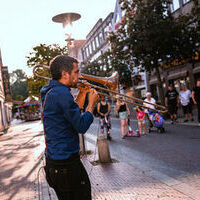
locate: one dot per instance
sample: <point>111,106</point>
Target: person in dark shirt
<point>103,109</point>
<point>196,97</point>
<point>171,101</point>
<point>62,120</point>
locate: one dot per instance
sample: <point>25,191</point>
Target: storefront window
<point>178,82</point>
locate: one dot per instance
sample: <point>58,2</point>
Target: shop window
<point>178,82</point>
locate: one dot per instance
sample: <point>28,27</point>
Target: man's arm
<point>80,122</point>
<point>166,101</point>
<point>109,109</point>
<point>117,107</point>
<point>193,94</point>
<point>127,108</point>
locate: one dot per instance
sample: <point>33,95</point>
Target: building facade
<point>8,96</point>
<point>96,43</point>
<point>5,101</point>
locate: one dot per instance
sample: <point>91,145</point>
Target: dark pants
<point>150,122</point>
<point>198,107</point>
<point>68,178</point>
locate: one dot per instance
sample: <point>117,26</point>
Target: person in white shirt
<point>184,96</point>
<point>149,99</point>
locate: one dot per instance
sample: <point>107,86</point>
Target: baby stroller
<point>156,120</point>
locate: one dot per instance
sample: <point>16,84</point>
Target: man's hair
<point>59,64</point>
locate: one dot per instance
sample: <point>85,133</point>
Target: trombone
<point>110,82</point>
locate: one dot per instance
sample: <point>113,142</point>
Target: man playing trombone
<point>62,122</point>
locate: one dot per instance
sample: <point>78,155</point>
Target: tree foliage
<point>42,54</point>
<point>153,37</point>
<point>106,64</point>
<point>19,85</point>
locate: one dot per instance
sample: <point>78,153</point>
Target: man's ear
<point>65,74</point>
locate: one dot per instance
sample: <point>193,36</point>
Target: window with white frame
<point>97,41</point>
<point>185,1</point>
<point>101,37</point>
<point>175,5</point>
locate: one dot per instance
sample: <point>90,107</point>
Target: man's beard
<point>74,85</point>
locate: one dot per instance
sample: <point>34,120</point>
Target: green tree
<point>106,64</point>
<point>152,36</point>
<point>19,85</point>
<point>42,54</point>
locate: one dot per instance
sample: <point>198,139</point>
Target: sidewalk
<point>119,181</point>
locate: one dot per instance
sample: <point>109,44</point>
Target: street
<point>172,156</point>
<point>170,160</point>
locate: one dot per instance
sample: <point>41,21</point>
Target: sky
<point>25,24</point>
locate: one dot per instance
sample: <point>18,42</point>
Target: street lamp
<point>67,19</point>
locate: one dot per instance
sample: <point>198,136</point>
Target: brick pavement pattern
<point>120,181</point>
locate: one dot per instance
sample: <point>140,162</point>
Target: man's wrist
<point>90,108</point>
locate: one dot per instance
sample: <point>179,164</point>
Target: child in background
<point>140,118</point>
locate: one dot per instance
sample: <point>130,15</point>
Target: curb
<point>167,122</point>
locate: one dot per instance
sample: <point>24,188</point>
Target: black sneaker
<point>192,120</point>
<point>172,122</point>
<point>109,137</point>
<point>186,120</point>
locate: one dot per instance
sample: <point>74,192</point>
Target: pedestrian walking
<point>141,119</point>
<point>172,101</point>
<point>103,109</point>
<point>196,97</point>
<point>149,99</point>
<point>124,112</point>
<point>185,95</point>
<point>62,122</point>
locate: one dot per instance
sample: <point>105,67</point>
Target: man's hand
<point>93,99</point>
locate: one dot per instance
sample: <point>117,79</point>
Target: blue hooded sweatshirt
<point>62,121</point>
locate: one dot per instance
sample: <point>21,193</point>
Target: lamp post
<point>66,19</point>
